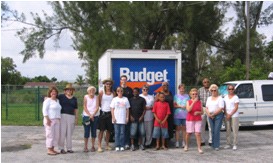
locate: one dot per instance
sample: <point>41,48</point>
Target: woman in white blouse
<point>232,116</point>
<point>214,110</point>
<point>52,116</point>
<point>149,116</point>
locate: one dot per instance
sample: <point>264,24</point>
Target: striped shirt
<point>203,94</point>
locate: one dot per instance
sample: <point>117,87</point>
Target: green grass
<point>25,115</point>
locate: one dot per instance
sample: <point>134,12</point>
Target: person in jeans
<point>203,94</point>
<point>137,112</point>
<point>180,114</point>
<point>69,118</point>
<point>232,117</point>
<point>127,92</point>
<point>214,109</point>
<point>90,117</point>
<point>120,117</point>
<point>149,116</point>
<point>52,116</point>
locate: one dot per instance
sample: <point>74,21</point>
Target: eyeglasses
<point>213,90</point>
<point>194,94</point>
<point>145,89</point>
<point>230,89</point>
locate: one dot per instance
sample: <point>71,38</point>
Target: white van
<point>256,101</point>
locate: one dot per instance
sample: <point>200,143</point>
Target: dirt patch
<point>16,148</point>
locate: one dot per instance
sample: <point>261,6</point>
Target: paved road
<point>27,144</point>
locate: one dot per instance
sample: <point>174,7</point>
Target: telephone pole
<point>247,41</point>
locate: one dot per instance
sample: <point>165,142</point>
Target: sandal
<point>85,150</point>
<point>70,151</point>
<point>93,149</point>
<point>100,150</point>
<point>157,148</point>
<point>200,151</point>
<point>165,148</point>
<point>51,153</point>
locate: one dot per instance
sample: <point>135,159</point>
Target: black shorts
<point>105,121</point>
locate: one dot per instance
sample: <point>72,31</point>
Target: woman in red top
<point>194,119</point>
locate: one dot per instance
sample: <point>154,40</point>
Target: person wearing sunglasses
<point>214,110</point>
<point>194,119</point>
<point>232,117</point>
<point>203,94</point>
<point>149,116</point>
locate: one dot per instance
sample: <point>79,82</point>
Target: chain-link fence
<point>23,106</point>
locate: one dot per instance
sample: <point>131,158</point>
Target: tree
<point>9,74</point>
<point>79,80</point>
<point>97,26</point>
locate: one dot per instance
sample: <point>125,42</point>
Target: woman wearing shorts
<point>194,119</point>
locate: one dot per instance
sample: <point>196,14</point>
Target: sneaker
<point>133,148</point>
<point>183,144</point>
<point>234,147</point>
<point>217,149</point>
<point>227,147</point>
<point>121,149</point>
<point>141,147</point>
<point>117,148</point>
<point>177,144</point>
<point>127,147</point>
<point>203,144</point>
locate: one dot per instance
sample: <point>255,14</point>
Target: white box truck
<point>142,67</point>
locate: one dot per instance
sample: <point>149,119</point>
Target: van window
<point>245,91</point>
<point>267,91</point>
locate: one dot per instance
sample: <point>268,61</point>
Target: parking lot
<point>27,144</point>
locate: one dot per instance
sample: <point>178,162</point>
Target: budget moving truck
<point>142,67</point>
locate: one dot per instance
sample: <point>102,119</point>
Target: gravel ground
<point>27,144</point>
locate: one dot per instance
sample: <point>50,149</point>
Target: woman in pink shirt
<point>194,119</point>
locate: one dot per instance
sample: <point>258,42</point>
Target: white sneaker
<point>227,147</point>
<point>117,148</point>
<point>121,149</point>
<point>234,147</point>
<point>177,144</point>
<point>217,149</point>
<point>127,147</point>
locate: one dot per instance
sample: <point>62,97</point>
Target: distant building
<point>39,84</point>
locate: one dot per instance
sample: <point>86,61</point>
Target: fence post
<point>7,91</point>
<point>38,103</point>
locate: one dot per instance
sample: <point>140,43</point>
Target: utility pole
<point>247,41</point>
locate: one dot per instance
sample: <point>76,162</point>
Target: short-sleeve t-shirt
<point>213,105</point>
<point>161,109</point>
<point>196,107</point>
<point>120,105</point>
<point>68,105</point>
<point>181,113</point>
<point>230,104</point>
<point>137,108</point>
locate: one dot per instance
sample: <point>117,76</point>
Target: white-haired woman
<point>214,110</point>
<point>90,117</point>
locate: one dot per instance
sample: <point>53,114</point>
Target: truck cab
<point>256,101</point>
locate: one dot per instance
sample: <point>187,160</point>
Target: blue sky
<point>63,62</point>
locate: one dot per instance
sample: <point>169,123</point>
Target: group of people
<point>136,119</point>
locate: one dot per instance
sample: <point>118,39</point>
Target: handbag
<point>86,120</point>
